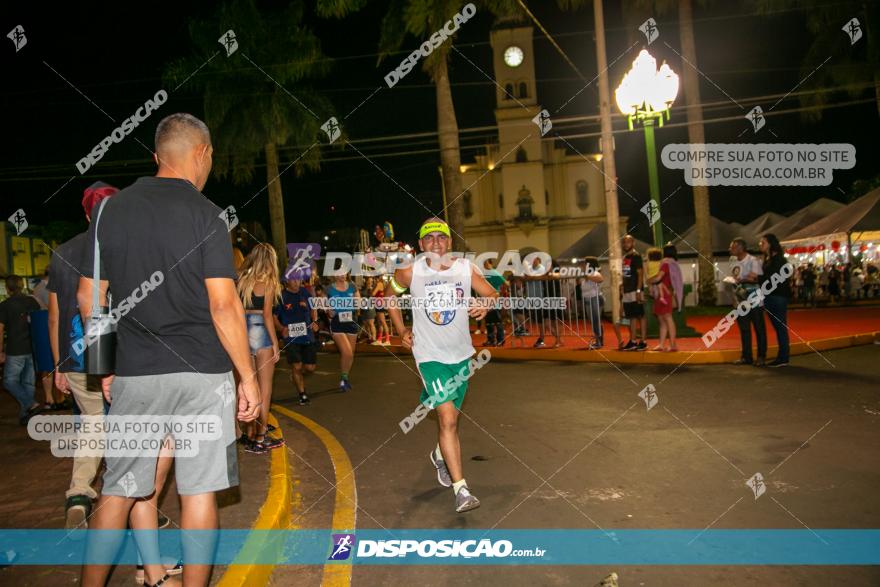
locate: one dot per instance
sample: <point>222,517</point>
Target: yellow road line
<point>274,515</point>
<point>345,507</point>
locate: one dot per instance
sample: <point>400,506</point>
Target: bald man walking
<point>177,343</point>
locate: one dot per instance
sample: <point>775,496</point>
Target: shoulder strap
<point>96,267</point>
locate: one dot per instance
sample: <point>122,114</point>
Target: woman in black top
<point>776,302</point>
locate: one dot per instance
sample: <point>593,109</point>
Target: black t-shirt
<point>15,316</point>
<point>63,282</point>
<point>809,277</point>
<point>772,266</point>
<point>632,262</point>
<point>160,239</point>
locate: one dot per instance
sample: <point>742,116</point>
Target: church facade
<point>527,192</point>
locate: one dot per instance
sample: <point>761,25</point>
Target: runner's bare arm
<point>268,316</point>
<point>53,327</point>
<point>60,378</point>
<point>484,289</point>
<point>403,278</point>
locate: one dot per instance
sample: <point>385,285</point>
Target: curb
<point>274,515</point>
<point>699,357</point>
<point>335,574</point>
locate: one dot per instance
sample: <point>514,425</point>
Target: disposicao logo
<point>343,544</point>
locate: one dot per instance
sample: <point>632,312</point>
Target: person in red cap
<point>65,328</point>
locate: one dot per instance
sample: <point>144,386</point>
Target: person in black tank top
<point>259,288</point>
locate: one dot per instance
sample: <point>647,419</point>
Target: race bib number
<point>345,317</point>
<point>296,330</point>
<point>441,297</point>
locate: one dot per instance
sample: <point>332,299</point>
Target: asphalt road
<point>554,445</point>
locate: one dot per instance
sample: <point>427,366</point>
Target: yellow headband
<point>430,227</point>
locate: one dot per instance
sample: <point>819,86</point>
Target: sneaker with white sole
<point>77,511</point>
<point>464,501</point>
<point>443,476</point>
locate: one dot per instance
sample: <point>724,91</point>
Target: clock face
<point>513,56</point>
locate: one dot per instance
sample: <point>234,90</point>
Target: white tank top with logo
<point>440,326</point>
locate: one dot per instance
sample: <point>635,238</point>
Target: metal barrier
<point>579,323</point>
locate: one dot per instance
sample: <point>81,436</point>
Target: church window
<point>524,204</point>
<point>523,91</point>
<point>582,197</point>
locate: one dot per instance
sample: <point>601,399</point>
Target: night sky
<point>114,54</point>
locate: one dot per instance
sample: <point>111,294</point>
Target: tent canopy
<point>594,244</point>
<point>760,224</point>
<point>804,217</point>
<point>722,234</point>
<point>862,215</point>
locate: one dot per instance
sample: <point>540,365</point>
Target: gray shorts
<point>212,468</point>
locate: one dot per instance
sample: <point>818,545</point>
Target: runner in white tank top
<point>441,342</point>
<point>440,331</point>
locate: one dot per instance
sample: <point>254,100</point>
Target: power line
<point>410,152</point>
<point>478,133</point>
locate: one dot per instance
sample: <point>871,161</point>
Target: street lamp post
<point>645,94</point>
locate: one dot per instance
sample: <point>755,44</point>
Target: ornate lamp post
<point>645,94</point>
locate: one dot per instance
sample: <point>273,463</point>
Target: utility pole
<point>612,214</point>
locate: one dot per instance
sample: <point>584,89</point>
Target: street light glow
<point>645,88</point>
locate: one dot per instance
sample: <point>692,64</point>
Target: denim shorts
<point>258,336</point>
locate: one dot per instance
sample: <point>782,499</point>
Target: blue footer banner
<point>443,547</point>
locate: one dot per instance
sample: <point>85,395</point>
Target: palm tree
<point>696,134</point>
<point>256,100</point>
<point>855,68</point>
<point>419,19</point>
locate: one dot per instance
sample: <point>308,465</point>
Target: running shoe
<point>464,501</point>
<point>32,411</point>
<point>344,385</point>
<point>376,343</point>
<point>630,346</point>
<point>443,476</point>
<point>641,346</point>
<point>77,510</point>
<point>777,363</point>
<point>594,346</point>
<point>270,442</point>
<point>254,447</point>
<point>304,400</point>
<point>539,344</point>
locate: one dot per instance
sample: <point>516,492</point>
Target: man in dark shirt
<point>18,372</point>
<point>65,328</point>
<point>632,297</point>
<point>166,256</point>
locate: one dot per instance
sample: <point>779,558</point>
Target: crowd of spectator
<point>835,282</point>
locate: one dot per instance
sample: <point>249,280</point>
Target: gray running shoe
<point>443,476</point>
<point>464,501</point>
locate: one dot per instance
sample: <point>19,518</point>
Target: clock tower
<point>520,149</point>
<point>524,192</point>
